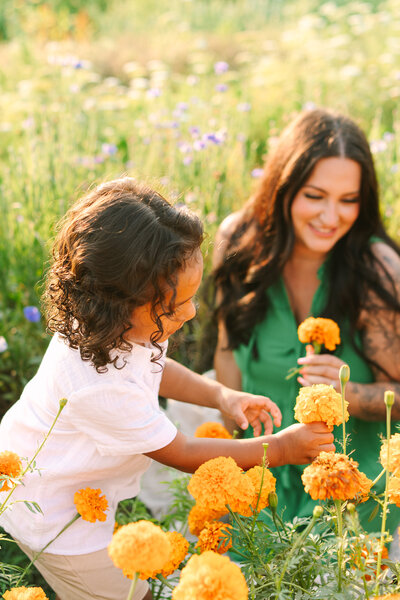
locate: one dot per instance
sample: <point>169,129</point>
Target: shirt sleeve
<point>120,420</point>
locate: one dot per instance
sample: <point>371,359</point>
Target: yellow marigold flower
<point>91,505</point>
<point>139,547</point>
<point>24,593</point>
<point>387,597</point>
<point>179,549</point>
<point>10,464</point>
<point>212,430</point>
<point>216,537</point>
<point>219,482</point>
<point>394,490</point>
<point>268,485</point>
<point>320,402</point>
<point>210,576</point>
<point>394,454</point>
<point>199,515</point>
<point>334,476</point>
<point>321,331</point>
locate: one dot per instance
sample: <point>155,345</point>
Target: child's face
<point>188,283</point>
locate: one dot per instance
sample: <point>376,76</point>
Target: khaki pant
<point>86,576</point>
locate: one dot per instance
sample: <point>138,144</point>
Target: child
<point>126,268</point>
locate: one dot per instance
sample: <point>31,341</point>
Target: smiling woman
<point>310,242</point>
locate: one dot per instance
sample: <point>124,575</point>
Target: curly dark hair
<point>116,249</point>
<point>264,238</point>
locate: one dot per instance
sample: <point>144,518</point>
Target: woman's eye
<point>351,200</point>
<point>313,196</point>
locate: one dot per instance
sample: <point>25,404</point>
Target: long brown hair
<point>263,239</point>
<point>116,249</point>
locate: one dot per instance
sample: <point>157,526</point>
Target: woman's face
<point>327,205</point>
<point>189,280</point>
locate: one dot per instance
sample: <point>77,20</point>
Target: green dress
<point>278,349</point>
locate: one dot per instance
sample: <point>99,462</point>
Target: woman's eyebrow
<point>324,191</point>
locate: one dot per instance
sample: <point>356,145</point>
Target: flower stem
<point>62,403</point>
<point>344,376</point>
<point>36,556</point>
<point>265,446</point>
<point>165,581</point>
<point>132,589</point>
<point>389,401</point>
<point>378,477</point>
<point>338,504</point>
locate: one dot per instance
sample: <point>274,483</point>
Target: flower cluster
<point>210,576</point>
<point>219,482</point>
<point>320,402</point>
<point>199,515</point>
<point>335,476</point>
<point>24,593</point>
<point>91,505</point>
<point>179,549</point>
<point>139,548</point>
<point>320,331</point>
<point>212,430</point>
<point>10,465</point>
<point>216,537</point>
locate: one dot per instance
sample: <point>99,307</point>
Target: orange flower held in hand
<point>212,430</point>
<point>24,593</point>
<point>335,476</point>
<point>139,548</point>
<point>320,402</point>
<point>90,505</point>
<point>10,465</point>
<point>319,331</point>
<point>210,576</point>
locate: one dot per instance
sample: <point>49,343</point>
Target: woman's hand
<point>320,368</point>
<point>248,409</point>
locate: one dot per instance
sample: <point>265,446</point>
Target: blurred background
<point>186,95</point>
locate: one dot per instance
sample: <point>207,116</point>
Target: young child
<point>126,268</point>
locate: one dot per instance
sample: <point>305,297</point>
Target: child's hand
<point>299,444</point>
<point>248,409</point>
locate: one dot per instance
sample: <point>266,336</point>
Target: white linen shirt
<point>109,421</point>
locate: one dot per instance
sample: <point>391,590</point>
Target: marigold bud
<point>273,500</point>
<point>389,398</point>
<point>318,512</point>
<point>351,508</point>
<point>63,402</point>
<point>344,374</point>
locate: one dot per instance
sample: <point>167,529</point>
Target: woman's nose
<point>330,214</point>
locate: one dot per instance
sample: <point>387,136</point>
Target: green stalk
<point>378,477</point>
<point>344,376</point>
<point>165,581</point>
<point>317,512</point>
<point>338,504</point>
<point>132,589</point>
<point>389,401</point>
<point>265,446</point>
<point>351,509</point>
<point>74,518</point>
<point>63,402</point>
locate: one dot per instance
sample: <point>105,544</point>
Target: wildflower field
<point>188,96</point>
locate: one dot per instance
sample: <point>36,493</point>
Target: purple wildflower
<point>221,67</point>
<point>187,160</point>
<point>244,107</point>
<point>199,145</point>
<point>221,87</point>
<point>153,92</point>
<point>3,344</point>
<point>257,173</point>
<point>32,314</point>
<point>109,149</point>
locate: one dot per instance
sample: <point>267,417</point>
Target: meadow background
<point>186,95</point>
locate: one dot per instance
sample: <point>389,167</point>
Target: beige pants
<point>86,576</point>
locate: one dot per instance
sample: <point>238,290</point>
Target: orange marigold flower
<point>268,485</point>
<point>91,505</point>
<point>219,482</point>
<point>212,430</point>
<point>210,576</point>
<point>320,402</point>
<point>10,464</point>
<point>394,454</point>
<point>334,476</point>
<point>199,515</point>
<point>394,490</point>
<point>179,549</point>
<point>321,331</point>
<point>24,593</point>
<point>215,536</point>
<point>387,597</point>
<point>139,547</point>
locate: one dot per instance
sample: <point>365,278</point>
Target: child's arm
<point>182,384</point>
<point>298,444</point>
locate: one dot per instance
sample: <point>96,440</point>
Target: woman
<point>311,242</point>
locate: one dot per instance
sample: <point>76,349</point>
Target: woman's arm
<point>381,343</point>
<point>297,444</point>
